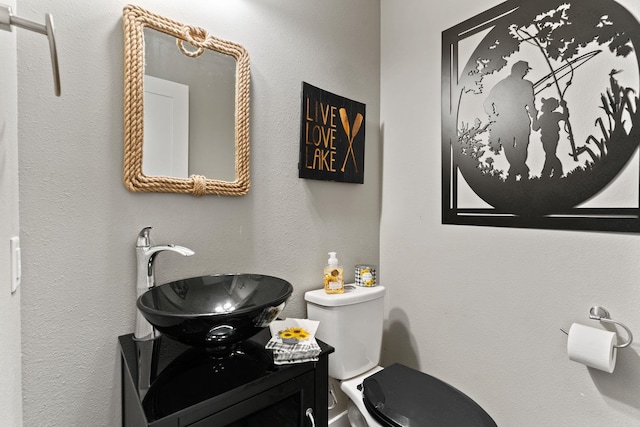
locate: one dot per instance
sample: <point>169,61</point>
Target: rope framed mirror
<point>192,42</point>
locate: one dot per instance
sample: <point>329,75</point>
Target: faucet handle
<point>143,237</point>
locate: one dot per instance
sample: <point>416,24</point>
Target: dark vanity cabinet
<point>168,384</point>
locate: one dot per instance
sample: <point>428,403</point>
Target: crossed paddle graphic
<point>351,135</point>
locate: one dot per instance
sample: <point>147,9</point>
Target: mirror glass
<point>186,108</point>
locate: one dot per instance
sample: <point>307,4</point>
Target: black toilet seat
<point>399,396</point>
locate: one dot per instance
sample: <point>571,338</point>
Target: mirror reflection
<point>188,111</point>
<point>186,108</point>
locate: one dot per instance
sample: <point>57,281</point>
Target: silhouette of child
<point>549,126</point>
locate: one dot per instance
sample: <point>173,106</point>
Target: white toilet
<point>352,323</point>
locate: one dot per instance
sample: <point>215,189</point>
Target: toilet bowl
<point>357,413</point>
<point>401,396</point>
<point>395,396</point>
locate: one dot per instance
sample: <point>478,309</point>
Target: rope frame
<point>134,20</point>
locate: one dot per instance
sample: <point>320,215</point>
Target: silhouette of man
<point>511,109</point>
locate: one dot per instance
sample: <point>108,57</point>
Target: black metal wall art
<point>331,137</point>
<point>540,120</point>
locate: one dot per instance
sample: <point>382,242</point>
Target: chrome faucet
<point>145,256</point>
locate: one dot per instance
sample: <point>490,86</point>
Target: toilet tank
<point>352,323</point>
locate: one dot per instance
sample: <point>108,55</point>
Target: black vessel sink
<point>215,311</point>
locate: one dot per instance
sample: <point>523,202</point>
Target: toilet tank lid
<point>352,295</point>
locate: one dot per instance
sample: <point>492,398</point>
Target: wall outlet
<point>16,264</point>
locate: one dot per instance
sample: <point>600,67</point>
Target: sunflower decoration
<point>293,335</point>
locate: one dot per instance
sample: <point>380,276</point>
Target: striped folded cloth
<point>283,353</point>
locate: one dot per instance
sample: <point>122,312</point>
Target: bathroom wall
<point>11,383</point>
<point>481,307</point>
<point>79,223</point>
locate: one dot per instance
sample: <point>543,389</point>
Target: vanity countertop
<point>190,382</point>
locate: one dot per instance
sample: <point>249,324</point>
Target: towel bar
<point>7,20</point>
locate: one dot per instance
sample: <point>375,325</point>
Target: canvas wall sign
<point>540,121</point>
<point>331,137</point>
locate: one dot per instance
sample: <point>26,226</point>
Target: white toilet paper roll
<point>592,347</point>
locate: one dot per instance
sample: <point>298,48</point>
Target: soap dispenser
<point>333,277</point>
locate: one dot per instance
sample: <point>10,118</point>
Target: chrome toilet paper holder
<point>602,314</point>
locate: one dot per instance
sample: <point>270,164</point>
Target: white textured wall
<point>79,223</point>
<point>481,307</point>
<point>11,382</point>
